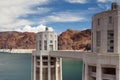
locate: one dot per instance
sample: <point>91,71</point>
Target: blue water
<point>18,67</point>
<point>72,69</point>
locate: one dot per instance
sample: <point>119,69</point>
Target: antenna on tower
<point>46,29</point>
<point>115,5</point>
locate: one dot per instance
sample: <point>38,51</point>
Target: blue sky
<point>34,15</point>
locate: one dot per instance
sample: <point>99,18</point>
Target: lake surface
<point>18,67</point>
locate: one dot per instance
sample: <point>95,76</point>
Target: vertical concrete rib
<point>60,68</point>
<point>34,73</point>
<point>41,67</point>
<point>49,68</point>
<point>83,71</point>
<point>56,69</point>
<point>99,72</point>
<point>86,72</point>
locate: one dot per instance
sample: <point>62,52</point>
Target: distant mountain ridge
<point>68,40</point>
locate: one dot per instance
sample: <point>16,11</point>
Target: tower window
<point>45,45</point>
<point>40,45</point>
<point>111,34</point>
<point>110,19</point>
<point>111,47</point>
<point>45,58</point>
<point>51,41</point>
<point>110,41</point>
<point>98,21</point>
<point>98,38</point>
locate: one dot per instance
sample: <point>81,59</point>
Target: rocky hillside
<point>17,40</point>
<point>68,40</point>
<point>75,40</point>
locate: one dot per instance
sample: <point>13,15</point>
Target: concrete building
<point>103,63</point>
<point>46,67</point>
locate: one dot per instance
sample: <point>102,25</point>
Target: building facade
<point>106,31</point>
<point>44,66</point>
<point>104,62</point>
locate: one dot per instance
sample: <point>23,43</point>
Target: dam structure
<point>102,63</point>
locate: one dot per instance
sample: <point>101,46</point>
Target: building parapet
<point>105,59</point>
<point>40,52</point>
<point>69,54</point>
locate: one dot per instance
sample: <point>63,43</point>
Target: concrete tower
<point>106,31</point>
<point>104,61</point>
<point>45,67</point>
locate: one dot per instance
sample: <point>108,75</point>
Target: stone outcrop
<point>75,40</point>
<point>17,40</point>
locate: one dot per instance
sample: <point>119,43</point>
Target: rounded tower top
<point>114,6</point>
<point>47,40</point>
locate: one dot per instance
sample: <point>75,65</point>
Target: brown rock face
<point>75,40</point>
<point>17,40</point>
<point>68,40</point>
